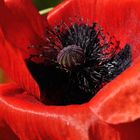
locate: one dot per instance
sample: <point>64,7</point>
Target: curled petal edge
<point>13,64</point>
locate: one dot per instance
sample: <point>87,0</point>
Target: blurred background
<point>40,5</point>
<point>43,4</point>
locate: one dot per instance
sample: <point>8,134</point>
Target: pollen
<point>83,60</point>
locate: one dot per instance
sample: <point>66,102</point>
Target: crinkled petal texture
<point>12,62</point>
<point>24,118</point>
<point>113,114</point>
<point>21,24</point>
<point>118,101</point>
<point>18,30</point>
<point>119,18</point>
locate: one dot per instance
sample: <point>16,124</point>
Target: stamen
<point>82,59</point>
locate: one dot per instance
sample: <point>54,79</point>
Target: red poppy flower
<point>112,114</point>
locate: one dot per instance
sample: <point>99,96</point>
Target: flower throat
<point>76,62</point>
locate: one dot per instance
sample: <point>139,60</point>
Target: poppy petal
<point>26,118</point>
<point>21,27</point>
<point>13,64</point>
<point>62,12</point>
<point>23,7</point>
<point>119,18</point>
<point>119,101</point>
<point>6,133</point>
<point>30,120</point>
<point>125,131</point>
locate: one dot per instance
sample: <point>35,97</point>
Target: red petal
<point>119,101</point>
<point>23,117</point>
<point>13,64</point>
<point>62,12</point>
<point>26,8</point>
<point>119,18</point>
<point>126,131</point>
<point>21,24</point>
<point>31,120</point>
<point>6,133</point>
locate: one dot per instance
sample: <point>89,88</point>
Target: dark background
<point>43,4</point>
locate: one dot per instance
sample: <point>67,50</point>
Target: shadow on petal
<point>6,133</point>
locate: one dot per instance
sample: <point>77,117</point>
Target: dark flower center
<point>76,62</point>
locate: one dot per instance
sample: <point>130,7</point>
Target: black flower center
<point>76,62</point>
